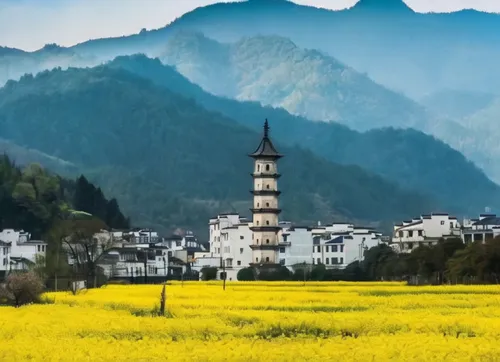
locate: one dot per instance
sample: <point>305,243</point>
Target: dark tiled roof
<point>266,147</point>
<point>488,221</point>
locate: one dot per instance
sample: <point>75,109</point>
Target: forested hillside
<point>34,199</point>
<point>276,72</point>
<point>406,157</point>
<point>171,162</point>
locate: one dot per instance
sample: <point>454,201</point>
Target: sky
<point>30,24</point>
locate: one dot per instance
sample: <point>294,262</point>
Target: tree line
<point>62,212</point>
<point>448,261</point>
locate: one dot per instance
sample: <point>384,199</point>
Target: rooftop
<point>266,148</point>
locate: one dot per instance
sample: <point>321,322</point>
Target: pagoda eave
<point>266,211</point>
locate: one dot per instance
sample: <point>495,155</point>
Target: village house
<point>19,251</point>
<point>425,230</point>
<point>487,226</point>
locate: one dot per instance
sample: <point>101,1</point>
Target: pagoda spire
<point>266,129</point>
<point>266,148</point>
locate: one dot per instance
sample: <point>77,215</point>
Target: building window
<point>335,260</point>
<point>410,246</point>
<point>420,233</point>
<point>268,168</point>
<point>410,233</point>
<point>267,241</point>
<point>401,234</point>
<point>334,248</point>
<point>327,261</point>
<point>442,222</point>
<point>267,259</point>
<point>318,249</point>
<point>238,262</point>
<point>319,261</point>
<point>327,249</point>
<point>242,237</point>
<point>341,248</point>
<point>258,168</point>
<point>282,250</point>
<point>241,250</point>
<point>341,260</point>
<point>38,248</point>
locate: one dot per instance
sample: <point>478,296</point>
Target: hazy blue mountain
<point>171,162</point>
<point>274,71</point>
<point>14,62</point>
<point>406,157</point>
<point>406,51</point>
<point>457,104</point>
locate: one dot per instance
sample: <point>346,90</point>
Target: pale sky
<point>30,24</point>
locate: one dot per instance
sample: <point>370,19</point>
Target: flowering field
<point>259,321</point>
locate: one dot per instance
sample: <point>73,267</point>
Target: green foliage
<point>246,274</point>
<point>172,163</point>
<point>208,274</point>
<point>408,157</point>
<point>34,199</point>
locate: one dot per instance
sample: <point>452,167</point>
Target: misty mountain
<point>406,157</point>
<point>169,161</point>
<point>14,63</point>
<point>410,52</point>
<point>274,71</point>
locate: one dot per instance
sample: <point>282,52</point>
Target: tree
<point>84,247</point>
<point>22,288</point>
<point>208,273</point>
<point>246,274</point>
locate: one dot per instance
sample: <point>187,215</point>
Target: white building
<point>482,229</point>
<point>426,230</point>
<point>334,246</point>
<point>230,240</point>
<point>4,257</point>
<point>23,250</point>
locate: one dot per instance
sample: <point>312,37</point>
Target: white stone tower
<point>265,210</point>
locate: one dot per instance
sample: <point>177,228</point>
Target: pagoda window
<point>258,205</point>
<point>267,187</point>
<point>257,260</point>
<point>267,241</point>
<point>267,222</point>
<point>267,259</point>
<point>267,204</point>
<point>258,168</point>
<point>268,167</point>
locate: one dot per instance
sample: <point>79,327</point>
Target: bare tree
<point>22,288</point>
<point>85,248</point>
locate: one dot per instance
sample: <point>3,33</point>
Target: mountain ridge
<point>178,153</point>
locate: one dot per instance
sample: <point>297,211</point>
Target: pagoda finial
<point>266,129</point>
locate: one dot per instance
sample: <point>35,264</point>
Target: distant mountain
<point>274,71</point>
<point>406,51</point>
<point>14,63</point>
<point>170,161</point>
<point>457,104</point>
<point>406,157</point>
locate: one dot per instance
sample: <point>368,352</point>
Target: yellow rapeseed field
<point>259,321</point>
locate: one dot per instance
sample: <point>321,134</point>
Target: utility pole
<point>305,273</point>
<point>145,267</point>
